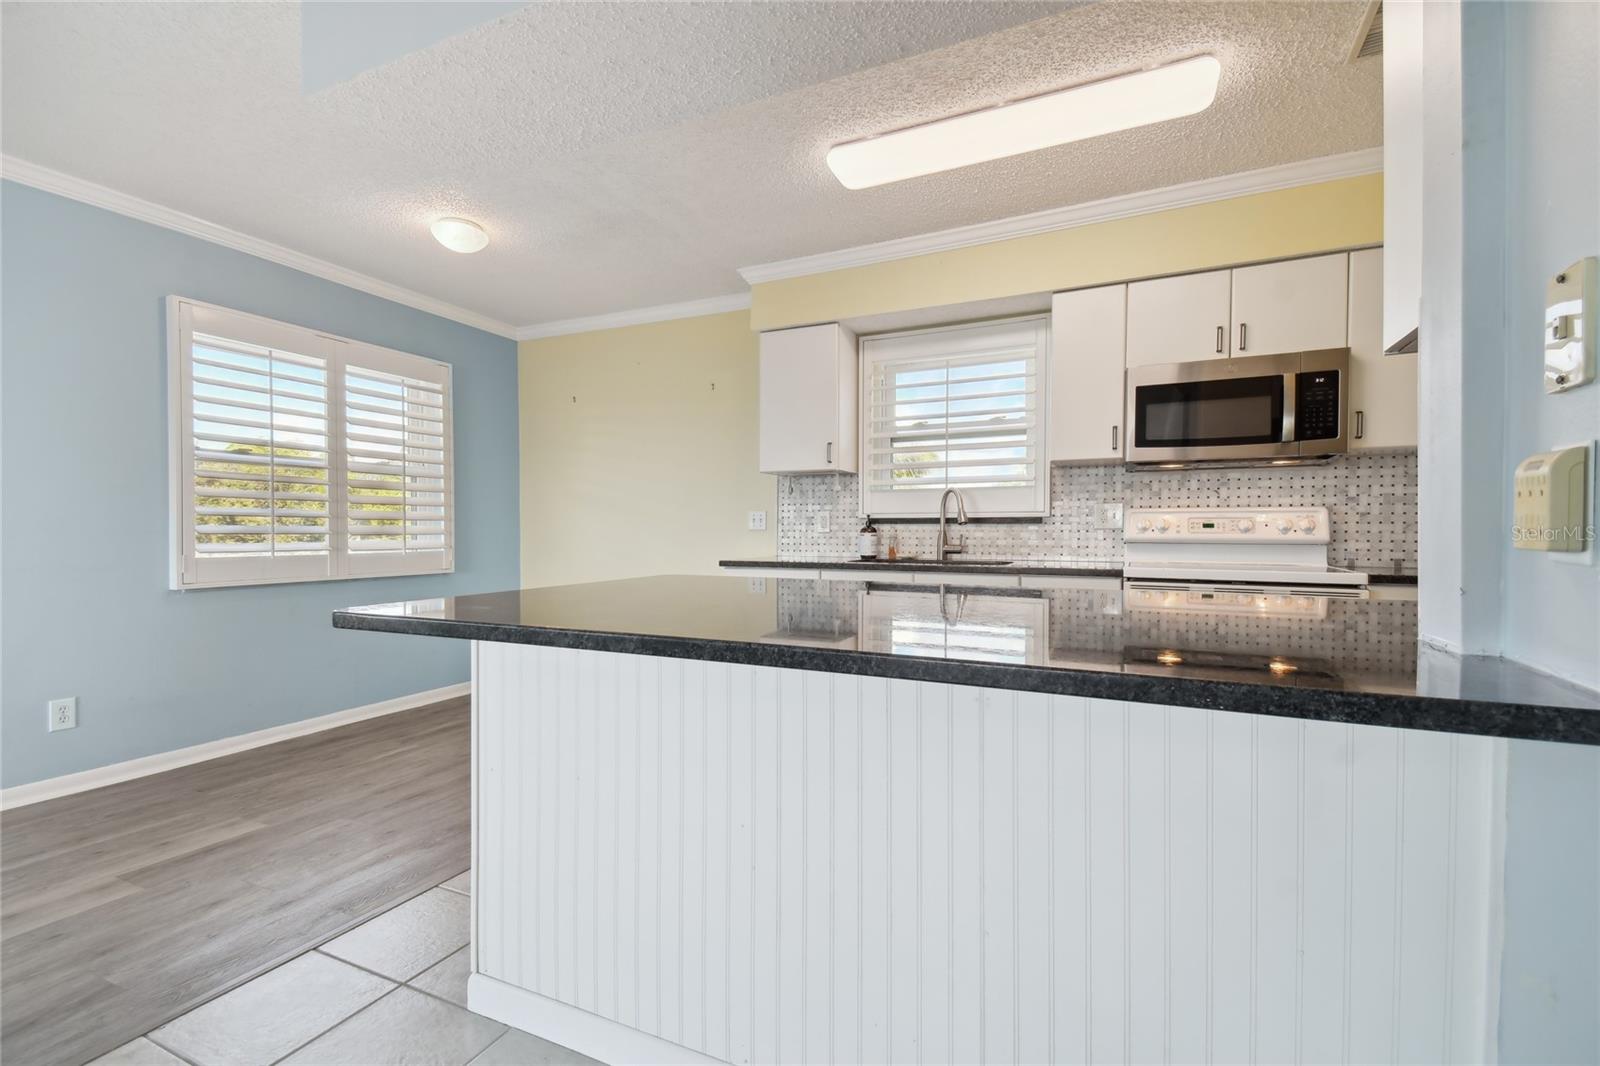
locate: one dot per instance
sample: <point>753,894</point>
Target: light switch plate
<point>758,520</point>
<point>1550,505</point>
<point>1569,326</point>
<point>1111,516</point>
<point>1588,556</point>
<point>824,521</point>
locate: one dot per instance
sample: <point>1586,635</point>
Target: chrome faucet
<point>943,548</point>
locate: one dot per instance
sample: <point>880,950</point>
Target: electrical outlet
<point>757,586</point>
<point>758,520</point>
<point>824,522</point>
<point>63,714</point>
<point>1111,516</point>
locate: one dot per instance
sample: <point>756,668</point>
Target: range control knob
<point>1308,524</point>
<point>1142,526</point>
<point>1163,524</point>
<point>1283,525</point>
<point>1245,525</point>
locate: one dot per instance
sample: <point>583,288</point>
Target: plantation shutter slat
<point>241,446</point>
<point>397,487</point>
<point>297,456</point>
<point>955,408</point>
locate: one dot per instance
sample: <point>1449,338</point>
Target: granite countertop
<point>1035,567</point>
<point>1329,659</point>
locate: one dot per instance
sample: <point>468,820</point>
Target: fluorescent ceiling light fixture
<point>459,234</point>
<point>1121,103</point>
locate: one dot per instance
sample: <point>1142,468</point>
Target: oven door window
<point>1197,414</point>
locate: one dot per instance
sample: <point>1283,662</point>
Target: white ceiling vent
<point>1368,40</point>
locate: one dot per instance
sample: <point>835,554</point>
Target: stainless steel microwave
<point>1258,409</point>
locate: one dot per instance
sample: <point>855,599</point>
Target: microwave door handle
<point>1288,408</point>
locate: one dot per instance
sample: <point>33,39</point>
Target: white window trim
<point>981,503</point>
<point>337,352</point>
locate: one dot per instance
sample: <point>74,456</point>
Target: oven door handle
<point>1288,408</point>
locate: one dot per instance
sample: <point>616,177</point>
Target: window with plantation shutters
<point>396,461</point>
<point>960,408</point>
<point>300,456</point>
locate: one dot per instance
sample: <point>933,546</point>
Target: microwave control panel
<point>1316,405</point>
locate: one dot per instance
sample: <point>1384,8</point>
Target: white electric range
<point>1255,560</point>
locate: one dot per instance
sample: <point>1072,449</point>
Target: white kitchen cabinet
<point>988,581</point>
<point>1087,341</point>
<point>1297,305</point>
<point>1383,388</point>
<point>808,400</point>
<point>1179,319</point>
<point>1402,170</point>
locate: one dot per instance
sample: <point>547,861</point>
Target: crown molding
<point>1207,190</point>
<point>88,192</point>
<point>1305,172</point>
<point>712,305</point>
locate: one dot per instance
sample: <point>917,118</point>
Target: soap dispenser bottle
<point>867,541</point>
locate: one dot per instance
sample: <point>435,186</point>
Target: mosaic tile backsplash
<point>1371,498</point>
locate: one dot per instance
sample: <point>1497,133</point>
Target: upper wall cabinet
<point>1180,319</point>
<point>1383,389</point>
<point>1291,306</point>
<point>1087,336</point>
<point>808,400</point>
<point>1294,306</point>
<point>1402,171</point>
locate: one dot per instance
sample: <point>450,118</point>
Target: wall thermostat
<point>1569,327</point>
<point>1551,505</point>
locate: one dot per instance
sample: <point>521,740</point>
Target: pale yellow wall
<point>1287,222</point>
<point>639,451</point>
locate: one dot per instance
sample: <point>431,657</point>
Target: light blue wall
<point>1550,960</point>
<point>84,520</point>
<point>1552,218</point>
<point>1549,172</point>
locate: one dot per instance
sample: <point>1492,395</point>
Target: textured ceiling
<point>625,155</point>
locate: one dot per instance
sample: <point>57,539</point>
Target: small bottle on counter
<point>867,541</point>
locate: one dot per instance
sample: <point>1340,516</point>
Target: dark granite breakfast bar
<point>782,749</point>
<point>1345,660</point>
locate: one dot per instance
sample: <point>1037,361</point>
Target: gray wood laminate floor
<point>124,907</point>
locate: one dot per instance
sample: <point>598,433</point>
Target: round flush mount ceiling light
<point>459,235</point>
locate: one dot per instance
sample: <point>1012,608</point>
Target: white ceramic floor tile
<point>265,1019</point>
<point>447,979</point>
<point>138,1052</point>
<point>403,942</point>
<point>461,882</point>
<point>517,1048</point>
<point>404,1028</point>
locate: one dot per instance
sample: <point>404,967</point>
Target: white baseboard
<point>571,1027</point>
<point>100,776</point>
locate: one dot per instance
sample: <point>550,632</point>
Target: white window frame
<point>920,345</point>
<point>190,569</point>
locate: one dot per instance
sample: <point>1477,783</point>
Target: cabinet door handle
<point>830,451</point>
<point>1219,340</point>
<point>1361,424</point>
<point>1114,437</point>
<point>1241,336</point>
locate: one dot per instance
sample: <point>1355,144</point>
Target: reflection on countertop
<point>1339,659</point>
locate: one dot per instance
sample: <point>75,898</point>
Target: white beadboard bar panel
<point>761,865</point>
